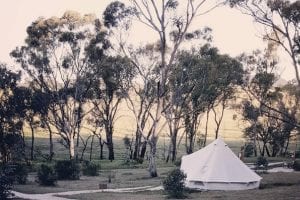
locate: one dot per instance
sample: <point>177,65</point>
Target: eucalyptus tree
<point>142,94</point>
<point>40,104</point>
<point>30,113</point>
<point>33,106</point>
<point>228,74</point>
<point>55,59</point>
<point>157,15</point>
<point>12,109</point>
<point>112,79</point>
<point>210,79</point>
<point>281,19</point>
<point>270,111</point>
<point>145,59</point>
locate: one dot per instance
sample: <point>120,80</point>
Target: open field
<point>121,178</point>
<point>276,193</point>
<point>42,148</point>
<point>124,175</point>
<point>273,186</point>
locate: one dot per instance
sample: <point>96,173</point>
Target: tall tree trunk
<point>191,146</point>
<point>169,152</point>
<point>85,144</point>
<point>174,150</point>
<point>91,147</point>
<point>110,146</point>
<point>77,146</point>
<point>218,121</point>
<point>286,147</point>
<point>267,150</point>
<point>152,162</point>
<point>143,150</point>
<point>101,145</point>
<point>71,147</point>
<point>255,144</point>
<point>32,140</point>
<point>137,144</point>
<point>256,140</point>
<point>23,145</point>
<point>154,137</point>
<point>51,152</point>
<point>206,127</point>
<point>263,149</point>
<point>78,127</point>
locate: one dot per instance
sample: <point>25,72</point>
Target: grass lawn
<point>121,178</point>
<point>273,186</point>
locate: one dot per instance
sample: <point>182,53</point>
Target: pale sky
<point>233,33</point>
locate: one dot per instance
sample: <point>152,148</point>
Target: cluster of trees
<point>78,69</point>
<point>271,112</point>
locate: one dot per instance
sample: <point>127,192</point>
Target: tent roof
<point>217,163</point>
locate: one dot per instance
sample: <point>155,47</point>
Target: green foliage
<point>297,154</point>
<point>115,12</point>
<point>177,163</point>
<point>174,184</point>
<point>20,172</point>
<point>200,79</point>
<point>249,150</point>
<point>296,165</point>
<point>12,107</point>
<point>261,161</point>
<point>46,175</point>
<point>67,170</point>
<point>172,4</point>
<point>90,169</point>
<point>271,119</point>
<point>6,181</point>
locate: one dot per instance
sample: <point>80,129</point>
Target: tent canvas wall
<point>216,167</point>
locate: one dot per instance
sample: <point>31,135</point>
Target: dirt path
<point>53,196</point>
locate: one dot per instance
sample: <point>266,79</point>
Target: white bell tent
<point>216,167</point>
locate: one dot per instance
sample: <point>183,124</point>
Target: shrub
<point>297,153</point>
<point>46,175</point>
<point>6,181</point>
<point>140,160</point>
<point>261,161</point>
<point>67,170</point>
<point>21,173</point>
<point>177,163</point>
<point>249,150</point>
<point>174,184</point>
<point>296,165</point>
<point>90,169</point>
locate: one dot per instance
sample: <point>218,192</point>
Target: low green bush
<point>297,153</point>
<point>296,165</point>
<point>21,173</point>
<point>46,175</point>
<point>177,163</point>
<point>90,169</point>
<point>140,160</point>
<point>249,150</point>
<point>174,184</point>
<point>67,170</point>
<point>261,161</point>
<point>6,181</point>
